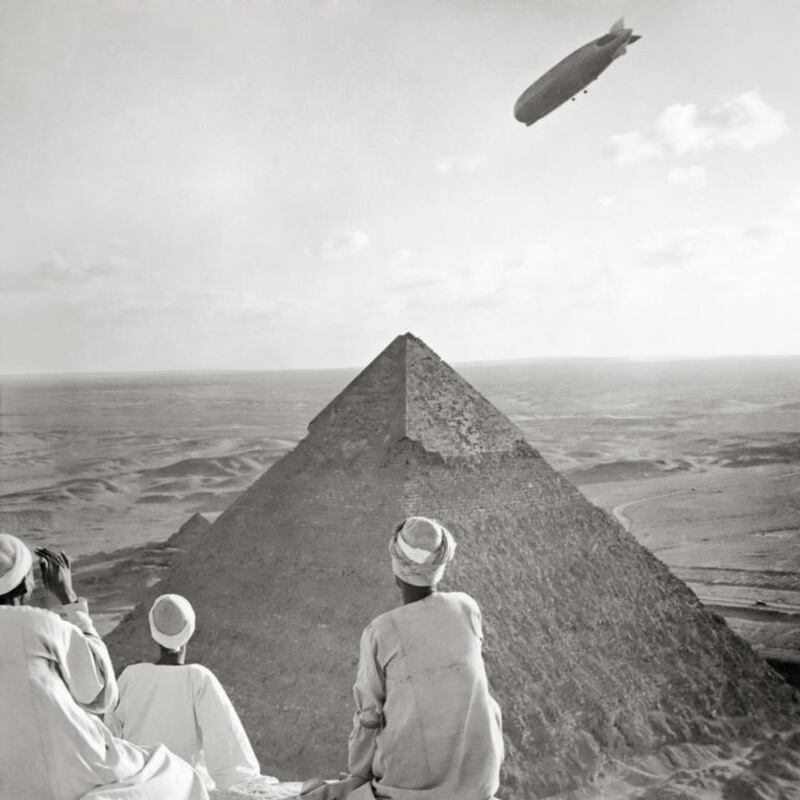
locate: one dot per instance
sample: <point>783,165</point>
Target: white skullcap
<point>171,621</point>
<point>15,562</point>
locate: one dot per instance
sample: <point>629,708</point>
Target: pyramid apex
<point>409,392</point>
<point>405,338</point>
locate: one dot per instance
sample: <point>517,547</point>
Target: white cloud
<point>344,245</point>
<point>680,129</point>
<point>61,271</point>
<point>747,122</point>
<point>632,148</point>
<point>693,177</point>
<point>493,277</point>
<point>670,250</point>
<point>744,122</point>
<point>726,251</point>
<point>465,163</point>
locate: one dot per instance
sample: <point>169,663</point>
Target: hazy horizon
<point>666,359</point>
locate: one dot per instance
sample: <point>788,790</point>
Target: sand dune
<point>751,455</point>
<point>28,519</point>
<point>236,463</point>
<point>209,467</point>
<point>630,469</point>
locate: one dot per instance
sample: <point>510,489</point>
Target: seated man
<point>425,726</point>
<point>55,676</point>
<point>183,706</point>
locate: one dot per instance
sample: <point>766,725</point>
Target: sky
<point>270,184</point>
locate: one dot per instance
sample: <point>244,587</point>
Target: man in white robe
<point>183,706</point>
<point>425,725</point>
<point>55,677</point>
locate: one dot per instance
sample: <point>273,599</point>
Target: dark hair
<point>19,590</point>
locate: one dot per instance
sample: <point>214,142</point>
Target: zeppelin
<point>573,74</point>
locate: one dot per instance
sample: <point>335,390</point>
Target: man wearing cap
<point>55,678</point>
<point>425,726</point>
<point>183,706</point>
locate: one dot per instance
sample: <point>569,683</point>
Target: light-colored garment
<point>53,673</point>
<point>426,727</point>
<point>185,708</point>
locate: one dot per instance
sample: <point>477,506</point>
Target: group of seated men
<point>425,726</point>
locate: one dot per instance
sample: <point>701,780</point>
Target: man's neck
<point>413,593</point>
<point>172,658</point>
<point>18,600</point>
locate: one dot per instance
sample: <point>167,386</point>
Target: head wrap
<point>171,621</point>
<point>420,549</point>
<point>15,562</point>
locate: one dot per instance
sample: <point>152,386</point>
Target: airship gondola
<point>573,74</point>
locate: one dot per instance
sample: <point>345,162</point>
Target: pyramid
<point>593,649</point>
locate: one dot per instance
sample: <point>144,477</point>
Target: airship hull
<point>571,75</point>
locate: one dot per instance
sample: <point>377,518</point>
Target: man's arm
<point>82,656</point>
<point>229,756</point>
<point>369,692</point>
<point>84,661</point>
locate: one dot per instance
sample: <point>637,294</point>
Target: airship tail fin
<point>618,25</point>
<point>634,38</point>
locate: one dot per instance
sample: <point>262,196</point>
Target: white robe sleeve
<point>84,662</point>
<point>228,754</point>
<point>369,693</point>
<point>114,719</point>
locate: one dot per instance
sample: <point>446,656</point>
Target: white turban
<point>420,549</point>
<point>171,621</point>
<point>15,562</point>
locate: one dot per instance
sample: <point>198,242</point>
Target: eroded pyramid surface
<point>594,650</point>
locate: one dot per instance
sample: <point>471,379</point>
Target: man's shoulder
<point>459,599</point>
<point>380,622</point>
<point>139,668</point>
<point>459,604</point>
<point>32,617</point>
<point>200,670</point>
<point>151,670</point>
<point>202,678</point>
<point>135,673</point>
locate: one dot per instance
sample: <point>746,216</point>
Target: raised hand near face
<point>56,574</point>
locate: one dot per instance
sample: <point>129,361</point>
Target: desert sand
<point>731,534</point>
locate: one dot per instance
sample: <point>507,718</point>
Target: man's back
<point>185,708</point>
<point>421,667</point>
